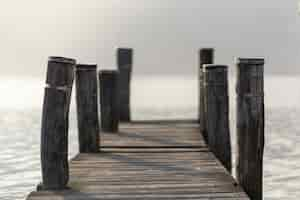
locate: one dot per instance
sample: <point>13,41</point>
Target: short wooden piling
<point>54,133</point>
<point>109,100</point>
<point>250,125</point>
<point>206,56</point>
<point>124,62</point>
<point>217,112</point>
<point>87,107</point>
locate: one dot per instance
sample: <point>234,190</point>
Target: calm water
<point>153,98</point>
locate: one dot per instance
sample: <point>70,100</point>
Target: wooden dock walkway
<point>148,160</point>
<point>124,159</point>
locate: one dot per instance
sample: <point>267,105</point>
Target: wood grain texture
<point>87,108</point>
<point>250,125</point>
<point>217,112</point>
<point>55,120</point>
<point>157,172</point>
<point>148,135</point>
<point>206,56</point>
<point>60,71</point>
<point>109,100</point>
<point>124,62</point>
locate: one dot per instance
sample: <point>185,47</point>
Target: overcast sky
<point>166,34</point>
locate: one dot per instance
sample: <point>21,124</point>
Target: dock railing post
<point>124,62</point>
<point>109,100</point>
<point>206,56</point>
<point>217,112</point>
<point>87,107</point>
<point>54,131</point>
<point>250,125</point>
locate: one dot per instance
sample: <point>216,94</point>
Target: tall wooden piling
<point>87,108</point>
<point>54,132</point>
<point>217,112</point>
<point>250,125</point>
<point>206,56</point>
<point>109,100</point>
<point>124,62</point>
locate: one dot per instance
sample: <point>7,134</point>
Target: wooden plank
<point>152,149</point>
<point>160,124</point>
<point>150,135</point>
<point>80,196</point>
<point>172,122</point>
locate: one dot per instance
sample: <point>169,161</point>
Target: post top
<point>108,71</point>
<point>207,49</point>
<point>86,66</point>
<point>62,60</point>
<point>124,49</point>
<point>208,67</point>
<point>252,61</point>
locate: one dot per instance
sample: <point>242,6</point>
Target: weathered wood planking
<point>182,168</point>
<point>150,135</point>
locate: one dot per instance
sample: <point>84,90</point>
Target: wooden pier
<point>150,160</point>
<point>158,160</point>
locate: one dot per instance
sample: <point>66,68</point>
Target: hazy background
<point>165,34</point>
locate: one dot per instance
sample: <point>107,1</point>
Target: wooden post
<point>109,100</point>
<point>54,133</point>
<point>217,112</point>
<point>250,125</point>
<point>124,62</point>
<point>87,108</point>
<point>206,56</point>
